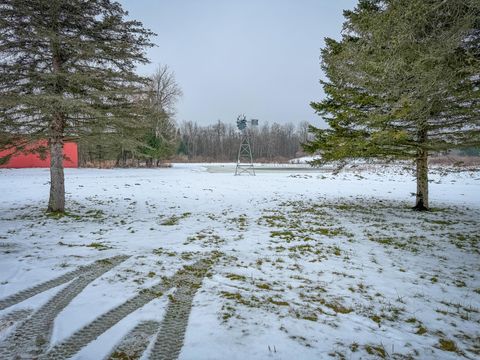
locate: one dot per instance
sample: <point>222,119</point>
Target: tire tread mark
<point>100,325</point>
<point>31,337</point>
<point>11,318</point>
<point>170,338</point>
<point>134,344</point>
<point>47,285</point>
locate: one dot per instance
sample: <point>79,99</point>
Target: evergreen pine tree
<point>403,82</point>
<point>67,70</point>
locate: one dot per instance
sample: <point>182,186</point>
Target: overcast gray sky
<point>258,57</point>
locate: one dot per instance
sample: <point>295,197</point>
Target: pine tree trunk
<point>421,203</point>
<point>56,202</point>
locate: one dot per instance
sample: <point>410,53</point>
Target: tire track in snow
<point>134,344</point>
<point>187,281</point>
<point>13,317</point>
<point>31,337</point>
<point>169,341</point>
<point>50,284</point>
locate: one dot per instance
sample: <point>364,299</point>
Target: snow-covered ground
<point>308,265</point>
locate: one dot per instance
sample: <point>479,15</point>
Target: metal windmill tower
<point>245,158</point>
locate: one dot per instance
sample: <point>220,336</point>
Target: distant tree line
<point>220,141</point>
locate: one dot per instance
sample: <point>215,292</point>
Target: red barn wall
<point>20,160</point>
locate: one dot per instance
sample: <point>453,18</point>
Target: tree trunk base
<point>420,207</point>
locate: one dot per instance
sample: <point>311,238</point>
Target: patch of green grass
<point>328,232</point>
<point>397,243</point>
<point>228,315</point>
<point>335,305</point>
<point>236,277</point>
<point>376,350</point>
<point>278,302</point>
<point>98,246</point>
<point>421,330</point>
<point>240,221</point>
<point>337,251</point>
<point>207,237</point>
<point>57,214</point>
<point>285,235</point>
<point>252,301</point>
<point>354,347</point>
<point>384,241</point>
<point>273,220</point>
<point>447,345</point>
<point>304,249</point>
<point>264,286</point>
<point>310,316</point>
<point>338,308</point>
<point>376,319</point>
<point>187,256</point>
<point>174,219</point>
<point>95,214</point>
<point>161,251</point>
<point>346,207</point>
<point>90,214</point>
<point>467,241</point>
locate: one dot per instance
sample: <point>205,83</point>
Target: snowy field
<point>293,265</point>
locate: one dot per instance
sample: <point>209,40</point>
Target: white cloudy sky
<point>258,57</point>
